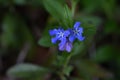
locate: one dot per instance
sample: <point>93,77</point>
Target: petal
<point>80,38</point>
<point>68,47</point>
<point>63,41</point>
<point>66,33</point>
<point>80,30</point>
<point>61,47</point>
<point>77,24</point>
<point>60,29</point>
<point>71,38</point>
<point>62,44</point>
<point>52,32</point>
<point>54,40</point>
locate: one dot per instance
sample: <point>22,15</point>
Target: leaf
<point>26,71</point>
<point>46,38</point>
<point>67,19</point>
<point>78,48</point>
<point>105,53</point>
<point>45,41</point>
<point>9,29</point>
<point>67,70</point>
<point>108,7</point>
<point>111,27</point>
<point>60,12</point>
<point>54,7</point>
<point>87,68</point>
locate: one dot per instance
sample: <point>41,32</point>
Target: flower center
<point>76,31</point>
<point>60,34</point>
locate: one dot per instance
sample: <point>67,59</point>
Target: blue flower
<point>66,47</point>
<point>60,35</point>
<point>76,32</point>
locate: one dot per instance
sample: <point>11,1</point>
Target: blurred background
<point>26,49</point>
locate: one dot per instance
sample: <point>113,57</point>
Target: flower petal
<point>52,32</point>
<point>54,40</point>
<point>80,30</point>
<point>66,33</point>
<point>68,47</point>
<point>62,44</point>
<point>77,24</point>
<point>63,41</point>
<point>80,38</point>
<point>61,47</point>
<point>71,38</point>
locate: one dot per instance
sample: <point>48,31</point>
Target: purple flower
<point>60,35</point>
<point>66,37</point>
<point>76,32</point>
<point>66,47</point>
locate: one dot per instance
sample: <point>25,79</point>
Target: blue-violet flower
<point>76,32</point>
<point>67,46</point>
<point>62,36</point>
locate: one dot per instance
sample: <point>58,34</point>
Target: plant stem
<point>67,60</point>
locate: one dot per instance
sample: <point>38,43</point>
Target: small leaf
<point>26,71</point>
<point>45,41</point>
<point>67,70</point>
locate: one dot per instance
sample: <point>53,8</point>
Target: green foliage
<point>105,53</point>
<point>89,24</point>
<point>88,69</point>
<point>90,5</point>
<point>45,41</point>
<point>55,8</point>
<point>27,71</point>
<point>67,70</point>
<point>60,11</point>
<point>111,26</point>
<point>9,30</point>
<point>108,7</point>
<point>15,31</point>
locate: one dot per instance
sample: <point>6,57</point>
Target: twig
<point>23,53</point>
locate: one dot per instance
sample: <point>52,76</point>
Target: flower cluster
<point>67,37</point>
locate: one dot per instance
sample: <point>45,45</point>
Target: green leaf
<point>26,71</point>
<point>67,19</point>
<point>105,53</point>
<point>54,7</point>
<point>67,70</point>
<point>46,38</point>
<point>45,41</point>
<point>111,27</point>
<point>108,7</point>
<point>60,12</point>
<point>78,48</point>
<point>9,29</point>
<point>87,68</point>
